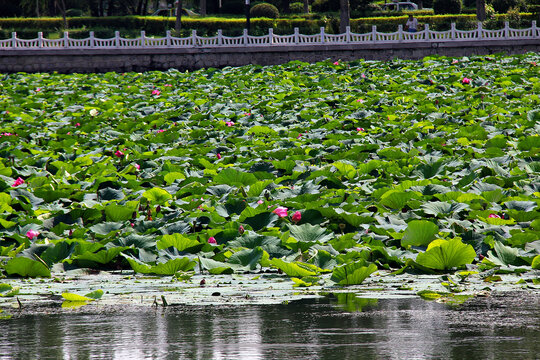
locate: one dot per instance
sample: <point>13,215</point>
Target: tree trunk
<point>178,22</point>
<point>306,6</point>
<point>37,8</point>
<point>344,15</point>
<point>61,5</point>
<point>145,7</point>
<point>481,10</point>
<point>202,7</point>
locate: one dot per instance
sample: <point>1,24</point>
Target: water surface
<point>336,327</point>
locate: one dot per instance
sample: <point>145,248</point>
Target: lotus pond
<point>295,179</point>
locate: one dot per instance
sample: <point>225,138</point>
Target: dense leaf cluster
<point>430,164</point>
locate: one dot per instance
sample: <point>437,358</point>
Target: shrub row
<point>132,25</point>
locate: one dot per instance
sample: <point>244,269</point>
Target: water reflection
<point>343,327</point>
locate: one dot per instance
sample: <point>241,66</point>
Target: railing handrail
<point>271,39</point>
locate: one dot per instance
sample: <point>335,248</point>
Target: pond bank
<point>125,60</point>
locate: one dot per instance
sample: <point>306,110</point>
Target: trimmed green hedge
<point>130,26</point>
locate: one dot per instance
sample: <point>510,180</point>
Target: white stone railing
<point>220,40</point>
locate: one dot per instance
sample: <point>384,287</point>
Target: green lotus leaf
<point>261,221</point>
<point>76,297</point>
<point>234,177</point>
<point>446,254</point>
<point>89,259</point>
<point>419,233</point>
<point>352,274</point>
<point>116,213</point>
<point>169,267</point>
<point>180,242</point>
<point>60,251</point>
<point>108,194</point>
<point>504,255</point>
<point>307,235</point>
<point>217,267</point>
<point>6,290</point>
<point>157,196</point>
<point>105,228</point>
<point>249,258</point>
<point>394,199</point>
<point>443,208</point>
<point>26,267</point>
<point>324,260</point>
<point>536,262</point>
<point>293,269</point>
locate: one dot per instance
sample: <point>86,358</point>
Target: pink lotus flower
<point>160,131</point>
<point>494,216</point>
<point>466,80</point>
<point>360,100</point>
<point>280,211</point>
<point>359,129</point>
<point>31,234</point>
<point>241,230</point>
<point>156,92</point>
<point>336,63</point>
<point>297,216</point>
<point>218,155</point>
<point>247,113</point>
<point>119,154</point>
<point>299,136</point>
<point>137,166</point>
<point>229,123</point>
<point>212,240</point>
<point>260,202</point>
<point>455,61</point>
<point>38,89</point>
<point>18,181</point>
<point>168,85</point>
<point>363,76</point>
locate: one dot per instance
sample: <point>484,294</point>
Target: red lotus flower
<point>359,129</point>
<point>494,216</point>
<point>229,123</point>
<point>466,80</point>
<point>18,182</point>
<point>218,155</point>
<point>31,234</point>
<point>281,211</point>
<point>156,92</point>
<point>297,216</point>
<point>119,154</point>
<point>241,230</point>
<point>212,240</point>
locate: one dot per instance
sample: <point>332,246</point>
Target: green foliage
<point>447,6</point>
<point>446,165</point>
<point>502,6</point>
<point>264,10</point>
<point>297,7</point>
